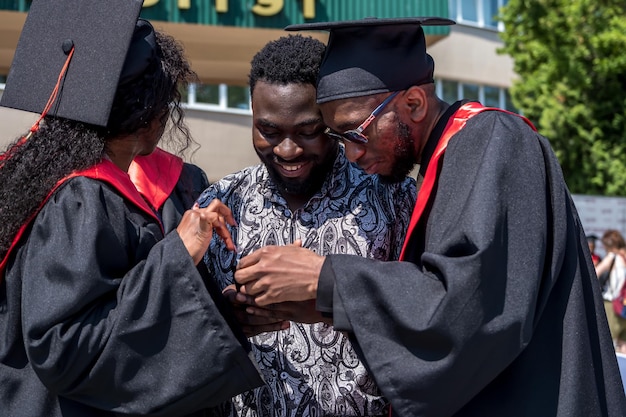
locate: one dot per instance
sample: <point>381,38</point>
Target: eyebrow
<point>304,123</point>
<point>346,126</point>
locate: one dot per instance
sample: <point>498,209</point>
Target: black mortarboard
<point>101,33</point>
<point>371,56</point>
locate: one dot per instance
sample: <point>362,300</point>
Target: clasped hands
<point>278,284</point>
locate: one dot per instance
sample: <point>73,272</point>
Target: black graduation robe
<point>102,315</point>
<point>168,184</point>
<point>496,310</point>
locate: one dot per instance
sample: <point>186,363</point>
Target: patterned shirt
<point>310,369</point>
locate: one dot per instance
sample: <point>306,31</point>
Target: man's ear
<point>417,101</point>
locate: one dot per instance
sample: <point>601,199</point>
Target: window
<point>482,13</point>
<point>469,10</point>
<point>508,102</point>
<point>217,97</point>
<point>205,96</point>
<point>209,94</point>
<point>238,97</point>
<point>471,92</point>
<point>492,96</point>
<point>3,80</point>
<point>451,91</point>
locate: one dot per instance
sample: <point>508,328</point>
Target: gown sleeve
<point>501,265</point>
<point>116,317</point>
<point>191,183</point>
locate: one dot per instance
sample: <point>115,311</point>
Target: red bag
<point>619,304</point>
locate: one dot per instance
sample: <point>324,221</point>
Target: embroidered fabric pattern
<point>310,369</point>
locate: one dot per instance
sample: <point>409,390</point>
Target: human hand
<point>252,324</point>
<point>274,274</point>
<point>197,225</point>
<point>298,311</point>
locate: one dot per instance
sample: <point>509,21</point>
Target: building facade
<point>221,36</point>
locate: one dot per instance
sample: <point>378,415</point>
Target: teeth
<point>291,167</point>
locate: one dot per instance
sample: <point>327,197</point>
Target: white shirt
<point>616,277</point>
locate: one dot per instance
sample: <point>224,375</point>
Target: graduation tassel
<point>68,48</point>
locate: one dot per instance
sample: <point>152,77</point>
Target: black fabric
<point>101,315</point>
<point>371,56</point>
<point>325,289</point>
<point>100,31</point>
<point>141,53</point>
<point>500,314</point>
<point>191,183</point>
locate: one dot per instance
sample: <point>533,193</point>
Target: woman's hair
<point>613,240</point>
<point>29,169</point>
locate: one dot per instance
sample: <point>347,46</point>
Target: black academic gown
<point>497,311</point>
<point>102,315</point>
<point>190,184</point>
<point>168,184</point>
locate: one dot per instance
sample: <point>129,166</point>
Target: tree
<point>570,56</point>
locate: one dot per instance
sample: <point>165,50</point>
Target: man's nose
<point>354,151</point>
<point>287,149</point>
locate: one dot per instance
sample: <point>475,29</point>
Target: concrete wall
<point>225,141</point>
<point>470,55</point>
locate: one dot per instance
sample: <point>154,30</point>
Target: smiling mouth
<point>291,168</point>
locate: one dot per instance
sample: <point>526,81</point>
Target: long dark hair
<point>30,169</point>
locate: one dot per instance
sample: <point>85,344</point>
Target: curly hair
<point>289,59</point>
<point>29,169</point>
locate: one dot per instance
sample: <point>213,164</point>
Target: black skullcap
<point>141,52</point>
<point>371,56</point>
<point>101,33</point>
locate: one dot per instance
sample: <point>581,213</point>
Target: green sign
<point>277,14</point>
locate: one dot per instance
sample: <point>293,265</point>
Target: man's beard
<point>404,155</point>
<point>302,187</point>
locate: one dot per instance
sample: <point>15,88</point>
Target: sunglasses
<point>356,135</point>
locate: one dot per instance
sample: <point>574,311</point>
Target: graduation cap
<point>372,55</point>
<point>71,56</point>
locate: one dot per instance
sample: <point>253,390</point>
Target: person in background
<point>494,308</point>
<point>591,241</point>
<point>614,266</point>
<point>304,190</point>
<point>101,312</point>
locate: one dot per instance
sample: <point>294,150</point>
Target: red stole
<point>156,175</point>
<point>105,171</point>
<point>455,123</point>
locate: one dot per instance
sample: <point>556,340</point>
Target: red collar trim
<point>105,171</point>
<point>156,175</point>
<point>455,123</point>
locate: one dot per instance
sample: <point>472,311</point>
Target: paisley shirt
<point>310,369</point>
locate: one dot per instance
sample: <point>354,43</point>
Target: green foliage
<point>570,56</point>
